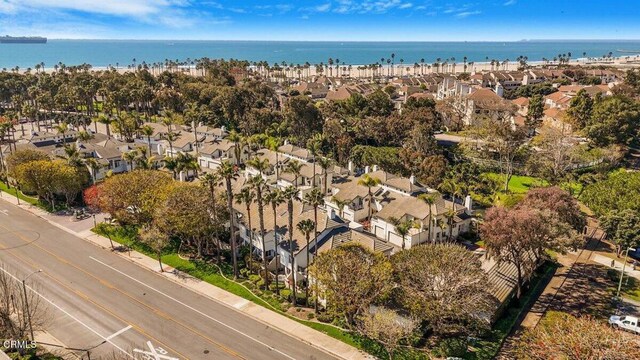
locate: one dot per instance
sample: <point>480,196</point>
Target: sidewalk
<point>82,229</point>
<point>628,269</point>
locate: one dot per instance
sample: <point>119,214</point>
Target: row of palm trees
<point>257,191</point>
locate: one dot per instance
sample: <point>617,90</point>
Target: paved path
<point>96,295</point>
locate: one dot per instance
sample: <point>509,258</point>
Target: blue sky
<point>341,20</point>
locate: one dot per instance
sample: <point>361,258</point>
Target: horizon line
<point>351,41</point>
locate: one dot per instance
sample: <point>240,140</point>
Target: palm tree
<point>246,196</point>
<point>147,131</point>
<point>172,165</point>
<point>106,121</point>
<point>306,227</point>
<point>325,164</point>
<point>93,166</point>
<point>259,164</point>
<point>369,182</point>
<point>238,140</point>
<point>294,167</point>
<point>211,181</point>
<point>259,186</point>
<point>274,197</point>
<point>129,157</point>
<point>430,200</point>
<point>229,172</point>
<point>450,215</point>
<point>171,136</point>
<point>314,148</point>
<point>290,194</point>
<point>315,199</point>
<point>403,228</point>
<point>341,204</point>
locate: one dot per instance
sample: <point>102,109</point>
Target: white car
<point>629,323</point>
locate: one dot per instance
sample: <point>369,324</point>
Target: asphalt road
<point>94,296</point>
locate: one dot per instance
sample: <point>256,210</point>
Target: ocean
<point>102,53</point>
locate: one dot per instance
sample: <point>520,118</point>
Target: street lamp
<point>26,300</point>
<point>624,264</point>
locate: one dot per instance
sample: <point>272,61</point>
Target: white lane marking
<point>68,314</point>
<point>193,309</point>
<point>5,212</point>
<point>154,353</point>
<point>118,332</point>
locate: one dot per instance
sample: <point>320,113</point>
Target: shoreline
<point>622,62</point>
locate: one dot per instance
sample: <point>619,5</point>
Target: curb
<point>167,275</point>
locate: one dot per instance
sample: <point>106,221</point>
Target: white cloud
<point>108,7</point>
<point>323,7</point>
<point>465,14</point>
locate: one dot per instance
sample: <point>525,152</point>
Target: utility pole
<point>26,301</point>
<point>624,264</point>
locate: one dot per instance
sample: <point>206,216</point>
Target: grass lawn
<point>23,197</point>
<point>630,285</point>
<point>211,274</point>
<point>519,184</point>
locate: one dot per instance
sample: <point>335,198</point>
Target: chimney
<point>332,214</point>
<point>500,90</point>
<point>468,203</point>
<point>286,142</point>
<point>350,167</point>
<point>366,169</point>
<point>375,168</point>
<point>223,128</point>
<point>412,179</point>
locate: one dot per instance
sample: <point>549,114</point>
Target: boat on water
<point>22,40</point>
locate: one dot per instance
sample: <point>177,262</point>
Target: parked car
<point>629,323</point>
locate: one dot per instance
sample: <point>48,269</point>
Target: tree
<point>505,140</point>
<point>580,109</point>
<point>535,112</point>
<point>429,200</point>
<point>23,156</point>
<point>294,167</point>
<point>47,178</point>
<point>387,327</point>
<point>274,198</point>
<point>229,173</point>
<point>259,186</point>
<point>184,214</point>
<point>615,120</point>
<point>133,197</point>
<point>306,227</point>
<point>508,238</point>
<point>247,196</point>
<point>622,228</point>
<point>559,202</point>
<point>315,199</point>
<point>147,131</point>
<point>155,239</point>
<point>369,182</point>
<point>20,315</point>
<point>290,194</point>
<point>563,336</point>
<point>613,193</point>
<point>402,228</point>
<point>302,119</point>
<point>351,279</point>
<point>211,181</point>
<point>444,286</point>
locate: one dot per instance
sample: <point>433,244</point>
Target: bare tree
<point>387,327</point>
<point>19,308</point>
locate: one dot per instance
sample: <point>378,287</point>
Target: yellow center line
<point>104,282</point>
